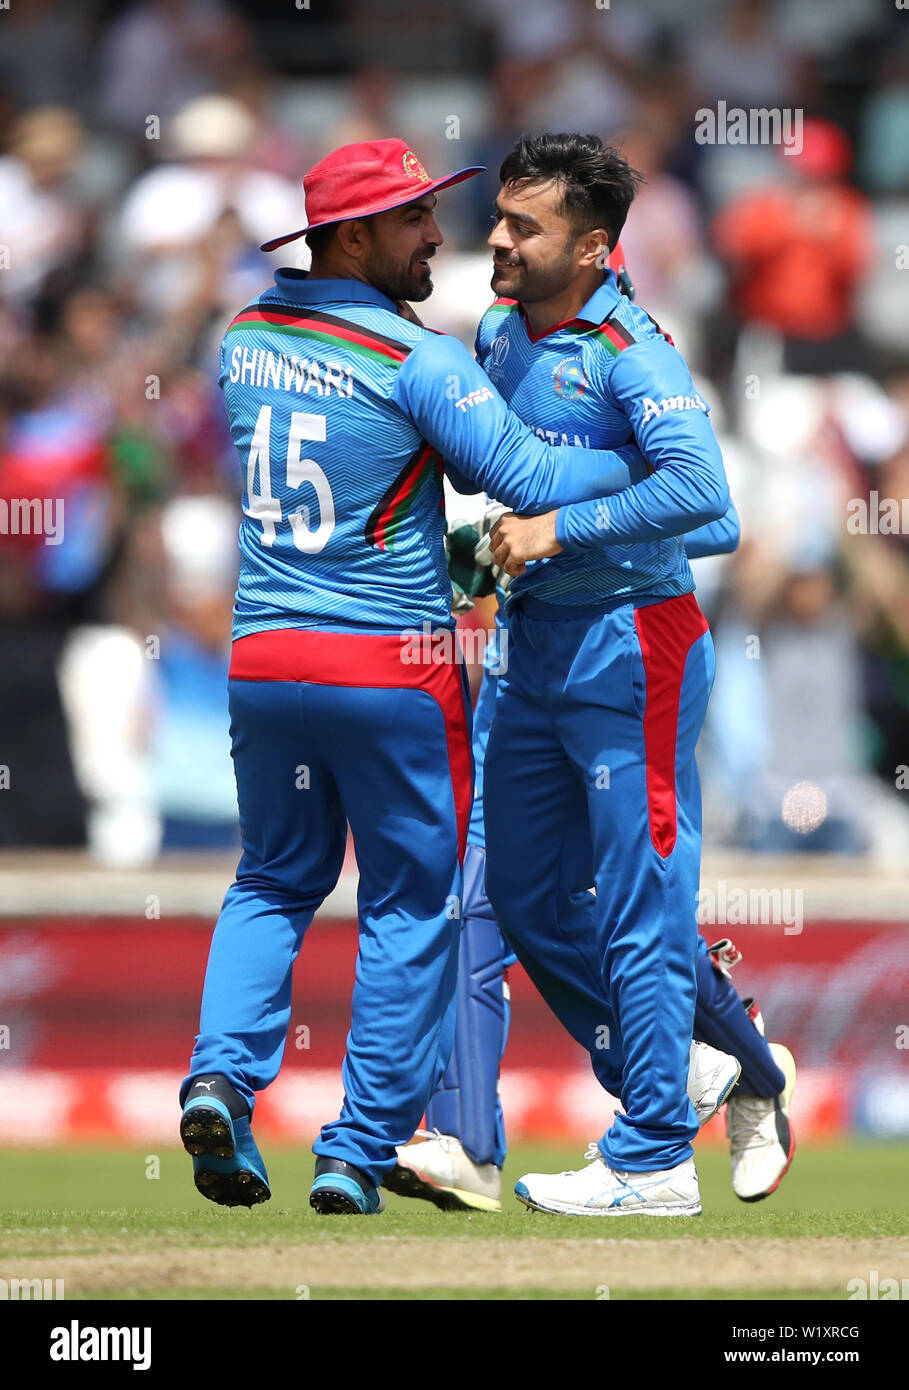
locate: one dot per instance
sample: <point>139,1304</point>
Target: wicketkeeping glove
<point>483,552</point>
<point>470,578</point>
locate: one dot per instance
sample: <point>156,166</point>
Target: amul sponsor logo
<point>654,408</point>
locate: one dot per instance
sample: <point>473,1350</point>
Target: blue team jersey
<point>608,377</point>
<point>342,413</point>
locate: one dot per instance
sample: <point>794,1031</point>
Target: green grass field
<point>93,1218</point>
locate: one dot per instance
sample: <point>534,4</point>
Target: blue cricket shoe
<point>227,1166</point>
<point>340,1189</point>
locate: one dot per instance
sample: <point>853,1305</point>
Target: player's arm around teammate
<point>459,1162</point>
<point>651,386</point>
<point>609,668</point>
<point>339,409</point>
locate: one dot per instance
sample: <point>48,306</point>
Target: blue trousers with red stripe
<point>328,729</point>
<point>590,778</point>
<point>466,1103</point>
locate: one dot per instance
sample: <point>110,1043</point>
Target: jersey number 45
<point>264,507</point>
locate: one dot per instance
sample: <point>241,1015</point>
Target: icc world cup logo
<point>499,350</point>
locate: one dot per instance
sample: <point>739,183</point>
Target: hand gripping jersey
<point>342,413</point>
<point>603,379</point>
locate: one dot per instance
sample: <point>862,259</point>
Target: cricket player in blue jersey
<point>459,1164</point>
<point>547,194</point>
<point>342,412</point>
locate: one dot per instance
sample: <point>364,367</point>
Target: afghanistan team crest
<point>413,168</point>
<point>569,380</point>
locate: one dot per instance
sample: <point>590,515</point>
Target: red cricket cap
<point>358,180</point>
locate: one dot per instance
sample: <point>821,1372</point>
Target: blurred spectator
<point>122,258</point>
<point>512,85</point>
<point>742,59</point>
<point>885,128</point>
<point>147,714</point>
<point>797,252</point>
<point>806,783</point>
<point>788,723</point>
<point>877,564</point>
<point>157,56</point>
<point>274,147</point>
<point>673,276</point>
<point>40,39</point>
<point>54,453</point>
<point>193,774</point>
<point>368,116</point>
<point>40,216</point>
<point>588,65</point>
<point>192,224</point>
<point>105,688</point>
<point>54,460</point>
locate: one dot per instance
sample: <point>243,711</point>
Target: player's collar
<point>602,302</point>
<point>596,311</point>
<point>297,285</point>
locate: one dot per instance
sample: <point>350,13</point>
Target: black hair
<point>320,240</point>
<point>597,182</point>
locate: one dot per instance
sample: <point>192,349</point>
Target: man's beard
<point>399,282</point>
<point>530,286</point>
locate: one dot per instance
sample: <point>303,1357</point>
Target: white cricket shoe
<point>761,1140</point>
<point>711,1076</point>
<point>598,1190</point>
<point>440,1171</point>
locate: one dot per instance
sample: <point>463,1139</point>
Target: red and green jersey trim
<point>613,335</point>
<point>393,506</point>
<point>325,328</point>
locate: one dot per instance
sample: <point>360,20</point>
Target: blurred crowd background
<point>147,148</point>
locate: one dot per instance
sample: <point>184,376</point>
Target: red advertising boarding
<point>98,1015</point>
